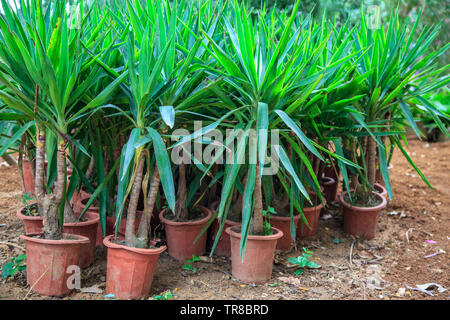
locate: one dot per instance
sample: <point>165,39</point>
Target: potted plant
<point>144,165</point>
<point>260,107</point>
<point>393,91</point>
<point>40,86</point>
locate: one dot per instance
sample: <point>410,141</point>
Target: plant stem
<point>372,161</point>
<point>144,231</point>
<point>130,236</point>
<point>257,224</point>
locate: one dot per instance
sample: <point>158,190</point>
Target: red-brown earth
<point>350,268</point>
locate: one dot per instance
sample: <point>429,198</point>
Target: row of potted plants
<point>109,93</point>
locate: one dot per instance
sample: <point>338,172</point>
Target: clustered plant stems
<point>49,203</point>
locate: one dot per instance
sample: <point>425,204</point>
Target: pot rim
<point>213,209</point>
<point>25,217</point>
<point>317,207</point>
<point>364,209</point>
<point>279,218</point>
<point>181,223</point>
<point>86,197</point>
<point>330,180</point>
<point>381,187</point>
<point>84,223</point>
<point>111,245</point>
<point>231,231</point>
<point>230,221</point>
<point>80,240</point>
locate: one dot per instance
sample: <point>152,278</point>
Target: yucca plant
<point>270,79</point>
<point>42,62</point>
<point>163,86</point>
<point>442,103</point>
<point>400,71</point>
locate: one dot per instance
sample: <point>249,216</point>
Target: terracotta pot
<point>312,215</point>
<point>258,259</point>
<point>111,223</point>
<point>129,271</point>
<point>79,195</point>
<point>223,247</point>
<point>181,235</point>
<point>380,189</point>
<point>330,187</point>
<point>69,171</point>
<point>361,221</point>
<point>28,182</point>
<point>286,242</point>
<point>329,172</point>
<point>48,262</point>
<point>33,224</point>
<point>88,229</point>
<point>78,207</point>
<point>80,204</point>
<point>379,178</point>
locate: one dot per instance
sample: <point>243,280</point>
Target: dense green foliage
<point>110,86</point>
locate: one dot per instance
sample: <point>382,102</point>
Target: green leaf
<point>164,168</point>
<point>129,151</point>
<point>311,264</point>
<point>299,272</point>
<point>168,115</point>
<point>17,135</point>
<point>410,118</point>
<point>293,126</point>
<point>287,164</point>
<point>262,126</point>
<point>292,260</point>
<point>384,169</point>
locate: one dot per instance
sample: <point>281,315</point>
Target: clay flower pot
<point>312,215</point>
<point>79,206</point>
<point>258,259</point>
<point>79,195</point>
<point>129,272</point>
<point>181,235</point>
<point>48,262</point>
<point>88,229</point>
<point>33,224</point>
<point>380,189</point>
<point>111,223</point>
<point>286,242</point>
<point>28,182</point>
<point>330,187</point>
<point>329,172</point>
<point>361,221</point>
<point>223,247</point>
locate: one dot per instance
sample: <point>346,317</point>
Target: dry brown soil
<point>350,268</point>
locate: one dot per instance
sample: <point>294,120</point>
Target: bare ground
<point>350,268</point>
